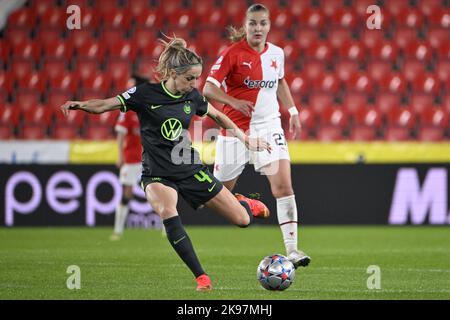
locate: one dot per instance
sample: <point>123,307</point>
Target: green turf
<point>414,262</point>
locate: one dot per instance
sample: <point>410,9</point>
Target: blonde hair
<point>176,56</point>
<point>237,34</point>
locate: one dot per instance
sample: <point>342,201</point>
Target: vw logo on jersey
<point>259,84</point>
<point>171,129</point>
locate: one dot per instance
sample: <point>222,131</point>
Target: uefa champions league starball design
<point>275,272</point>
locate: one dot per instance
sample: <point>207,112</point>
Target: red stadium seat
<point>93,50</point>
<point>437,36</point>
<point>306,37</point>
<point>105,6</point>
<point>428,83</point>
<point>68,82</point>
<point>54,68</point>
<point>57,99</point>
<point>116,18</point>
<point>123,50</point>
<point>39,115</point>
<point>395,7</point>
<point>334,116</point>
<point>387,101</point>
<point>330,7</point>
<point>434,117</point>
<point>99,133</point>
<point>419,50</point>
<point>403,36</point>
<point>428,6</point>
<point>368,117</point>
<point>443,52</point>
<point>22,18</point>
<point>75,118</point>
<point>215,18</point>
<point>81,38</point>
<point>39,7</point>
<point>298,84</point>
<point>64,132</point>
<point>104,119</point>
<point>384,51</point>
<point>319,50</point>
<point>21,68</point>
<point>149,18</point>
<point>6,132</point>
<point>144,38</point>
<point>401,117</point>
<point>90,19</point>
<point>421,101</point>
<point>235,11</point>
<point>27,100</point>
<point>411,18</point>
<point>291,52</point>
<point>208,42</point>
<point>339,36</point>
<point>345,18</point>
<point>393,82</point>
<point>308,118</point>
<point>353,50</point>
<point>281,18</point>
<point>170,6</point>
<point>54,18</point>
<point>9,115</point>
<point>86,67</point>
<point>278,36</point>
<point>440,17</point>
<point>33,81</point>
<point>119,69</point>
<point>17,37</point>
<point>443,70</point>
<point>136,7</point>
<point>33,132</point>
<point>47,37</point>
<point>182,18</point>
<point>297,6</point>
<point>319,101</point>
<point>413,68</point>
<point>5,51</point>
<point>327,82</point>
<point>372,38</point>
<point>330,133</point>
<point>111,36</point>
<point>360,82</point>
<point>377,69</point>
<point>6,82</point>
<point>27,51</point>
<point>355,101</point>
<point>397,134</point>
<point>345,69</point>
<point>361,7</point>
<point>312,18</point>
<point>58,49</point>
<point>97,82</point>
<point>362,133</point>
<point>431,134</point>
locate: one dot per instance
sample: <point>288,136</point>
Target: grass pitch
<point>414,263</point>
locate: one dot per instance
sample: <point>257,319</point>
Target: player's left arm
<point>253,144</point>
<point>285,96</point>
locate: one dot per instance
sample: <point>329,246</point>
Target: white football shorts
<point>130,174</point>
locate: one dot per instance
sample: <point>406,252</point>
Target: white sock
<point>120,218</point>
<point>287,218</point>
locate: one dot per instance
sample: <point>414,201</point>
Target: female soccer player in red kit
<point>251,73</point>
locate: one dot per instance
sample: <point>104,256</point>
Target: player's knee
<point>280,191</point>
<point>243,221</point>
<point>165,211</point>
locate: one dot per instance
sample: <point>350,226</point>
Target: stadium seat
<point>344,18</point>
<point>54,68</point>
<point>329,134</point>
<point>54,18</point>
<point>393,82</point>
<point>33,81</point>
<point>143,38</point>
<point>319,101</point>
<point>39,115</point>
<point>413,68</point>
<point>428,6</point>
<point>352,50</point>
<point>420,50</point>
<point>17,37</point>
<point>312,18</point>
<point>234,10</point>
<point>99,133</point>
<point>65,132</point>
<point>105,6</point>
<point>320,51</point>
<point>122,50</point>
<point>405,36</point>
<point>5,52</point>
<point>6,132</point>
<point>183,18</point>
<point>150,18</point>
<point>208,42</point>
<point>411,18</point>
<point>27,51</point>
<point>440,17</point>
<point>428,83</point>
<point>397,134</point>
<point>434,117</point>
<point>298,84</point>
<point>334,116</point>
<point>33,132</point>
<point>401,117</point>
<point>58,49</point>
<point>308,118</point>
<point>297,6</point>
<point>277,36</point>
<point>339,36</point>
<point>47,37</point>
<point>361,7</point>
<point>281,18</point>
<point>305,37</point>
<point>104,119</point>
<point>354,101</point>
<point>384,51</point>
<point>372,38</point>
<point>97,82</point>
<point>421,101</point>
<point>111,36</point>
<point>118,69</point>
<point>75,118</point>
<point>368,117</point>
<point>6,83</point>
<point>80,38</point>
<point>387,101</point>
<point>90,19</point>
<point>360,82</point>
<point>93,50</point>
<point>21,68</point>
<point>362,133</point>
<point>291,53</point>
<point>443,52</point>
<point>327,82</point>
<point>27,100</point>
<point>215,18</point>
<point>443,70</point>
<point>431,134</point>
<point>345,69</point>
<point>86,67</point>
<point>40,7</point>
<point>330,7</point>
<point>437,36</point>
<point>68,82</point>
<point>57,99</point>
<point>22,18</point>
<point>9,115</point>
<point>395,7</point>
<point>377,69</point>
<point>116,18</point>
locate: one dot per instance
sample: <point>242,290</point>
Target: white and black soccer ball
<point>275,272</point>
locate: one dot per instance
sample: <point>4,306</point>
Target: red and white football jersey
<point>128,124</point>
<point>249,75</point>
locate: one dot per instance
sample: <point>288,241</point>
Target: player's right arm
<point>212,92</point>
<point>95,106</point>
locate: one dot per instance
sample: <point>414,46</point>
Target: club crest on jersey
<point>187,109</point>
<point>259,84</point>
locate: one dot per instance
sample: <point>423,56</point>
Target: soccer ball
<point>275,272</point>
